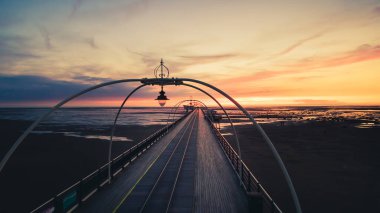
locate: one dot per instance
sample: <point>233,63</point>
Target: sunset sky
<point>273,52</point>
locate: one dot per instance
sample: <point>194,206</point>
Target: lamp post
<point>162,97</point>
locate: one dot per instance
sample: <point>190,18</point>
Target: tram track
<point>180,172</point>
<point>161,174</point>
<point>166,183</point>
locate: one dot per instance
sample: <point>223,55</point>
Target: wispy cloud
<point>376,10</point>
<point>303,78</point>
<point>14,49</point>
<point>90,80</point>
<point>75,7</point>
<point>260,75</point>
<point>136,7</point>
<point>208,58</point>
<point>91,42</point>
<point>299,43</point>
<point>46,37</point>
<point>37,88</point>
<point>149,59</point>
<point>8,21</point>
<point>362,53</point>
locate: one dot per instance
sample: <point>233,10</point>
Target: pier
<point>186,166</point>
<point>185,172</point>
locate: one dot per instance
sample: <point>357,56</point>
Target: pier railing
<point>72,197</point>
<point>257,194</point>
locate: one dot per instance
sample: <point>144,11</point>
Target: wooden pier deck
<point>186,171</point>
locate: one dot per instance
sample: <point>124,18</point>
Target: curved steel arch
<point>113,129</point>
<point>114,126</point>
<point>173,81</point>
<point>57,106</point>
<point>175,107</point>
<point>265,136</point>
<point>228,117</point>
<point>225,112</point>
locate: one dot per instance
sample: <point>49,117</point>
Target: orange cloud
<point>208,58</point>
<point>299,43</point>
<point>376,10</point>
<point>364,52</point>
<point>313,102</point>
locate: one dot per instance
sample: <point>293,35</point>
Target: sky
<point>263,53</point>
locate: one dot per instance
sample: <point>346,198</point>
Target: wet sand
<point>334,166</point>
<point>46,164</point>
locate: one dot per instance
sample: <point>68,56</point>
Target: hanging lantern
<point>162,98</point>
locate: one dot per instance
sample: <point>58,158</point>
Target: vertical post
<point>47,114</point>
<point>255,202</point>
<point>113,130</point>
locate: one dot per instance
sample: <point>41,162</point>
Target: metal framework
<point>161,82</point>
<point>113,129</point>
<point>225,112</point>
<point>175,107</point>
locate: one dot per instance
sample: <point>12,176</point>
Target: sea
<point>89,116</point>
<point>363,116</point>
<point>89,123</point>
<point>102,118</point>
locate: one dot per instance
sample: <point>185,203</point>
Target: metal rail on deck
<point>191,123</point>
<point>250,182</point>
<point>75,195</point>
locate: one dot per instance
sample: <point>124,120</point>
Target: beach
<point>70,145</point>
<point>46,164</point>
<point>333,162</point>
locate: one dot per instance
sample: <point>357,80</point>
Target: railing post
<point>58,205</point>
<point>272,206</point>
<point>255,201</point>
<point>79,193</point>
<point>249,183</point>
<point>241,169</point>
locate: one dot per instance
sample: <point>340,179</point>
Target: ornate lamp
<point>162,97</point>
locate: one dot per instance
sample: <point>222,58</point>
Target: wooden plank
<point>217,187</point>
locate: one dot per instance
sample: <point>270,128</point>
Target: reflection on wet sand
<point>359,117</point>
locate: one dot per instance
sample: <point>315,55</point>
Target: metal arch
<point>265,136</point>
<point>173,81</point>
<point>228,117</point>
<point>225,112</point>
<point>175,107</point>
<point>113,129</point>
<point>44,116</point>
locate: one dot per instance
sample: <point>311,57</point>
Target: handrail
<point>250,183</point>
<point>267,140</point>
<point>80,191</point>
<point>176,106</point>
